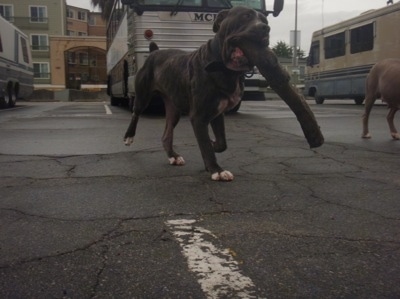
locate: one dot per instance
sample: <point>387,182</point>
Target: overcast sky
<point>312,15</point>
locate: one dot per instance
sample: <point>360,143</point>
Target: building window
<point>41,70</point>
<point>83,58</point>
<point>39,42</point>
<point>6,11</point>
<point>82,15</point>
<point>70,13</point>
<point>92,20</point>
<point>24,46</point>
<point>38,14</point>
<point>362,38</point>
<point>71,58</point>
<point>335,45</point>
<point>82,33</point>
<point>71,33</point>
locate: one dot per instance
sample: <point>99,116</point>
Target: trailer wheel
<point>359,100</point>
<point>9,98</point>
<point>13,96</point>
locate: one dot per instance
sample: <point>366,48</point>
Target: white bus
<point>341,55</point>
<point>183,24</point>
<point>16,68</point>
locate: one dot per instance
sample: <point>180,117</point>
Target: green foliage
<point>282,49</point>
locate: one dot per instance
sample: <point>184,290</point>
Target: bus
<point>342,55</point>
<point>16,66</point>
<point>183,24</point>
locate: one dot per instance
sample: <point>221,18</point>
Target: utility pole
<point>295,39</point>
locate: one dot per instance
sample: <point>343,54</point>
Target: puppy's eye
<point>247,16</point>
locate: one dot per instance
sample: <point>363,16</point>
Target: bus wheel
<point>114,101</point>
<point>13,96</point>
<point>9,96</point>
<point>359,100</point>
<point>319,100</point>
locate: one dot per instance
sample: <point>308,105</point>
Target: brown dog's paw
<point>179,161</point>
<point>225,176</point>
<point>366,136</point>
<point>395,136</point>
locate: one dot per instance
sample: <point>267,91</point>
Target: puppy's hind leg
<point>172,116</point>
<point>138,108</point>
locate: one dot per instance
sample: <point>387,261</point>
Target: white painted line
<point>217,272</point>
<point>108,110</point>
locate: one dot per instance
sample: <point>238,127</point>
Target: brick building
<point>68,43</point>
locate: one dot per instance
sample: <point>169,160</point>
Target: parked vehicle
<point>16,68</point>
<point>185,24</point>
<point>342,55</point>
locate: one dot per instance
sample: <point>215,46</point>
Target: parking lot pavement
<point>295,222</point>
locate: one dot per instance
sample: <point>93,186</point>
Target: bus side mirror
<point>278,6</point>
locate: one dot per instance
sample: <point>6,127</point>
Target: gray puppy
<point>205,83</point>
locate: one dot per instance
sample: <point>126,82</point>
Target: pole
<point>295,39</point>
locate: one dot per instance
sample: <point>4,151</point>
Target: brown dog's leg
<point>369,102</point>
<point>390,119</point>
<point>172,116</point>
<point>268,65</point>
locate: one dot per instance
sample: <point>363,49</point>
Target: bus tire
<point>114,101</point>
<point>359,100</point>
<point>13,96</point>
<point>9,96</point>
<point>319,100</point>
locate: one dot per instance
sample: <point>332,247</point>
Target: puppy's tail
<point>153,47</point>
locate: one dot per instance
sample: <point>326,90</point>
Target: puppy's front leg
<point>218,127</point>
<point>200,128</point>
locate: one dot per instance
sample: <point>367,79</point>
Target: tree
<point>105,7</point>
<point>282,49</point>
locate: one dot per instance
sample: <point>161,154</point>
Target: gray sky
<point>312,15</point>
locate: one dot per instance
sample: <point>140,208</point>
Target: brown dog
<point>383,82</point>
<point>209,81</point>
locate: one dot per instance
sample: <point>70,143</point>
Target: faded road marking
<point>108,110</point>
<point>218,273</point>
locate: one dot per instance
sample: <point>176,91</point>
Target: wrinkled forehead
<point>241,11</point>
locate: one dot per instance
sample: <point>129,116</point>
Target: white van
<point>16,68</point>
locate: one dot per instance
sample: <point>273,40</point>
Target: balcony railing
<point>36,23</point>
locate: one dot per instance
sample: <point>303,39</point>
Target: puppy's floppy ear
<point>220,17</point>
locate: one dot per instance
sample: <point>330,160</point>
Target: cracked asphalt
<point>82,216</point>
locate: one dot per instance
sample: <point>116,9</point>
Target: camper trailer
<point>342,55</point>
<point>16,68</point>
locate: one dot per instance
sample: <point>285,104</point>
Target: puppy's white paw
<point>395,136</point>
<point>176,161</point>
<point>128,141</point>
<point>225,176</point>
<point>366,136</point>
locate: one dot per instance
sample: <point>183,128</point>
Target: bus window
<point>313,57</point>
<point>362,38</point>
<point>24,49</point>
<point>335,45</point>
